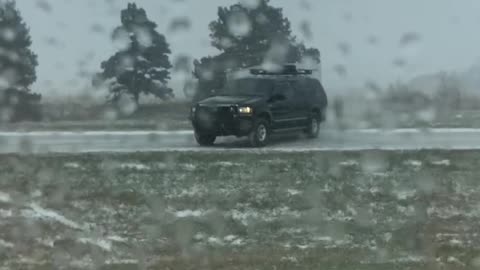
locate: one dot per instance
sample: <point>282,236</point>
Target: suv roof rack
<point>289,69</point>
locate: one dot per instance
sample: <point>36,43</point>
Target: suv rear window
<point>314,87</point>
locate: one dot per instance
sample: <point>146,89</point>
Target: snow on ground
<point>409,259</point>
<point>349,163</point>
<point>405,194</point>
<point>190,213</point>
<point>121,262</point>
<point>292,259</point>
<point>134,166</point>
<point>4,197</point>
<point>189,167</point>
<point>215,241</point>
<point>190,132</point>
<point>117,239</point>
<point>445,212</point>
<point>226,164</point>
<point>181,141</point>
<point>47,242</point>
<point>293,192</point>
<point>37,212</point>
<point>454,260</point>
<point>444,162</point>
<point>161,165</point>
<point>300,212</point>
<point>233,240</point>
<point>72,165</point>
<point>82,263</point>
<point>36,194</point>
<point>6,213</point>
<point>6,244</point>
<point>250,215</point>
<point>456,243</point>
<point>414,163</point>
<point>195,190</point>
<point>101,243</point>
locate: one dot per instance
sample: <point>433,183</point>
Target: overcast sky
<point>74,35</point>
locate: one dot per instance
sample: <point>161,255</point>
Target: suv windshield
<point>248,87</point>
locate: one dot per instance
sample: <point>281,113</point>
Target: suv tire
<point>313,129</point>
<point>205,140</point>
<point>260,135</point>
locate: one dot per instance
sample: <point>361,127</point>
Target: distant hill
<point>429,83</point>
<point>471,79</point>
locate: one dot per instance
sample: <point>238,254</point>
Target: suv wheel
<point>260,134</point>
<point>205,140</point>
<point>313,129</point>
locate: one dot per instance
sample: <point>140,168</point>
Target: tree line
<point>244,35</point>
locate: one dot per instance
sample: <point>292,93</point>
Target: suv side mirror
<point>277,97</point>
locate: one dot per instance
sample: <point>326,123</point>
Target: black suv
<point>260,104</point>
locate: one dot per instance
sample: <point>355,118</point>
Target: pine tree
<point>142,64</point>
<point>17,64</point>
<point>249,36</point>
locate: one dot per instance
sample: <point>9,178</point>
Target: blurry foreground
<point>335,210</point>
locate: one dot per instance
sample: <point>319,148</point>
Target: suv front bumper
<point>221,121</point>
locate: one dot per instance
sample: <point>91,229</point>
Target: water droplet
<point>409,38</point>
<point>372,40</point>
<point>306,29</point>
<point>250,4</point>
<point>226,43</point>
<point>121,39</point>
<point>110,115</point>
<point>97,28</point>
<point>8,34</point>
<point>399,62</point>
<point>374,162</point>
<point>180,24</point>
<point>239,24</point>
<point>143,36</point>
<point>44,5</point>
<point>182,63</point>
<point>127,105</point>
<point>344,48</point>
<point>341,70</point>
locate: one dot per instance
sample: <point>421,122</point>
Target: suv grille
<point>214,118</point>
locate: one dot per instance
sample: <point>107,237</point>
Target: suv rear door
<point>283,110</point>
<point>319,97</point>
<point>302,99</point>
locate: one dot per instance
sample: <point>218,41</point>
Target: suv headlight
<point>194,109</point>
<point>245,110</point>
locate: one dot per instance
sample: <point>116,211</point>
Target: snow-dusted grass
<point>444,162</point>
<point>73,165</point>
<point>135,166</point>
<point>4,197</point>
<point>38,212</point>
<point>89,125</point>
<point>360,210</point>
<point>414,163</point>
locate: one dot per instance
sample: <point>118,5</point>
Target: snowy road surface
<point>140,141</point>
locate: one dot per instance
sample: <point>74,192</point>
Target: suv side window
<point>314,87</point>
<point>302,90</point>
<point>284,88</point>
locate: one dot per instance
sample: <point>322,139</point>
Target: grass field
<point>71,116</point>
<point>179,121</point>
<point>317,210</point>
<point>100,125</point>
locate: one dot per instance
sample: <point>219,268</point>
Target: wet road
<point>141,141</point>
